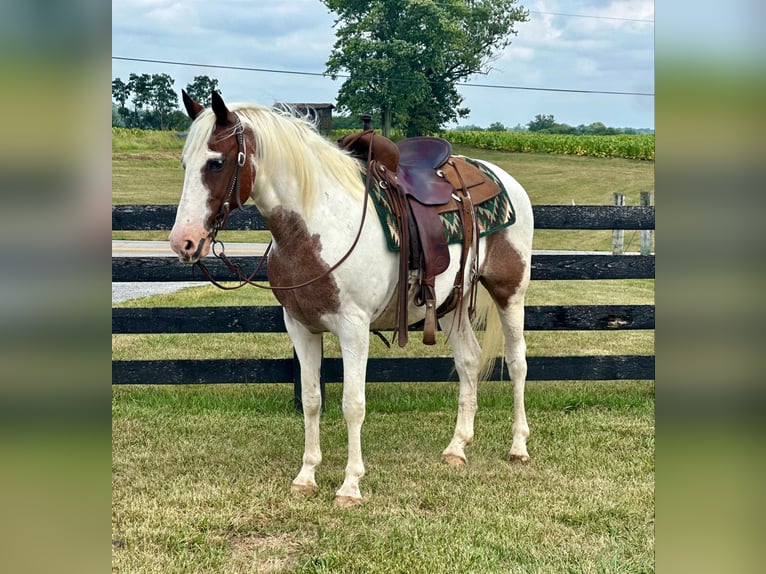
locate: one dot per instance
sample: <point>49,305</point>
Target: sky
<point>591,45</point>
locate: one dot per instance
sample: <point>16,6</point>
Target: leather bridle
<point>222,217</point>
<point>223,212</point>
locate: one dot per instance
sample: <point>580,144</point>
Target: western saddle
<point>422,179</point>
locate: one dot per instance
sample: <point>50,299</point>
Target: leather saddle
<point>422,180</point>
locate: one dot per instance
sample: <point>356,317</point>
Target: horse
<point>332,274</point>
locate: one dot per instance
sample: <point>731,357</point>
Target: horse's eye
<point>215,164</point>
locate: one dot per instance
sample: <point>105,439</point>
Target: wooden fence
<point>381,369</point>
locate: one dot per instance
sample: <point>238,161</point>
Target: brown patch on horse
<point>294,260</point>
<point>217,182</point>
<point>503,269</point>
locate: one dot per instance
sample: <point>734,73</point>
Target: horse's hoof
<point>522,458</point>
<point>303,489</point>
<point>453,460</point>
<point>347,502</point>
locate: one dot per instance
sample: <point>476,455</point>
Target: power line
<point>570,91</point>
<point>223,67</point>
<point>539,13</point>
<point>594,17</point>
<point>320,74</point>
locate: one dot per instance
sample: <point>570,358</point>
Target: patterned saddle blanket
<point>492,214</point>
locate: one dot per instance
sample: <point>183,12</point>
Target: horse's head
<point>220,171</point>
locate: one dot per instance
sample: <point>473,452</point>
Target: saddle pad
<point>491,215</point>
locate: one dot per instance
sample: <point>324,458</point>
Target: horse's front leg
<point>308,348</point>
<point>355,343</point>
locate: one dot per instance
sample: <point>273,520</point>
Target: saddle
<point>422,180</point>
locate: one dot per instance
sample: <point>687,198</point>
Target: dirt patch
<point>264,554</point>
<point>147,155</point>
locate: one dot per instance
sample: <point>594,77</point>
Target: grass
<point>201,474</point>
<point>201,483</point>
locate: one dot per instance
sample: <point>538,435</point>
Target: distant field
<point>640,146</point>
<point>146,169</point>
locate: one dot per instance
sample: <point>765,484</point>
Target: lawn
<point>201,482</point>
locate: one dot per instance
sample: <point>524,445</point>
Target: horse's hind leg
<point>506,277</point>
<point>467,354</point>
<point>512,319</point>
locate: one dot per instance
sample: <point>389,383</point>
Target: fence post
<point>647,199</point>
<point>618,235</point>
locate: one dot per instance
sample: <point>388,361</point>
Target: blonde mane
<point>285,141</point>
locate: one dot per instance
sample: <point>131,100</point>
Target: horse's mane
<point>285,140</point>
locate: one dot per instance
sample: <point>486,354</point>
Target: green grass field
<point>201,474</point>
<point>201,482</point>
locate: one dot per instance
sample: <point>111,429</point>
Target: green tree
<point>469,128</point>
<point>496,127</point>
<point>405,57</point>
<point>599,129</point>
<point>541,122</point>
<point>121,94</point>
<point>201,88</point>
<point>163,98</point>
<point>140,85</point>
<point>178,120</point>
<point>117,119</point>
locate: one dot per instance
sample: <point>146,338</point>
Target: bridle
<point>222,218</point>
<point>223,212</point>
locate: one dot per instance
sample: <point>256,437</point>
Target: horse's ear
<point>220,109</point>
<point>192,107</point>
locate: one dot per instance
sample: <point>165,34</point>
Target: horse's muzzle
<point>189,250</point>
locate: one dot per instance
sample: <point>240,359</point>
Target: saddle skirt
<point>427,198</point>
<point>494,211</point>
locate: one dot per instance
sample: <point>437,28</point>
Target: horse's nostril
<point>189,245</point>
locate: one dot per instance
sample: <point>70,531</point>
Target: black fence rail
<point>237,319</point>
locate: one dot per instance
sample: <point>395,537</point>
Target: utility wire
<point>320,74</point>
<point>587,16</point>
<point>540,13</point>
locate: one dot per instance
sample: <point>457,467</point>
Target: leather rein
<point>222,218</point>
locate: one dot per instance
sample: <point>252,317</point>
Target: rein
<point>223,215</point>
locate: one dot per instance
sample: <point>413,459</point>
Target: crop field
<point>636,146</point>
<point>201,473</point>
<point>627,146</point>
<point>639,146</point>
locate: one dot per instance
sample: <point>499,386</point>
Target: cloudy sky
<point>592,45</point>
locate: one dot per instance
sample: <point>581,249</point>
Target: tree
<point>404,57</point>
<point>541,122</point>
<point>201,88</point>
<point>140,87</point>
<point>120,94</point>
<point>117,119</point>
<point>163,98</point>
<point>496,127</point>
<point>469,128</point>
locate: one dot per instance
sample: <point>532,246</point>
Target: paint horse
<point>311,195</point>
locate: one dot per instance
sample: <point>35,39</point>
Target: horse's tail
<point>487,318</point>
